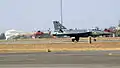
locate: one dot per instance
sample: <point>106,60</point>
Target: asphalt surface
<point>81,59</point>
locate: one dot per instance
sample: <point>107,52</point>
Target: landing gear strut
<point>76,38</point>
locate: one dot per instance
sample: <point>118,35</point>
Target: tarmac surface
<point>71,59</point>
<point>78,59</point>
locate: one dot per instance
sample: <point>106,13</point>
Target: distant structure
<point>119,24</point>
<point>117,33</point>
<point>2,36</point>
<point>118,27</point>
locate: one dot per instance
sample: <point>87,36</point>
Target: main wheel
<point>77,39</point>
<point>94,39</point>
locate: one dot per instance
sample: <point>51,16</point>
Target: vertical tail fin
<point>58,26</point>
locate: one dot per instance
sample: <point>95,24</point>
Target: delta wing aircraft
<point>75,34</point>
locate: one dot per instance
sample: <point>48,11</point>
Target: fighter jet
<point>96,32</point>
<point>75,34</point>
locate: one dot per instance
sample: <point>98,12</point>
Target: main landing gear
<point>75,38</point>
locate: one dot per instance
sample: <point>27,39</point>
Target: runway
<point>71,59</point>
<point>80,59</point>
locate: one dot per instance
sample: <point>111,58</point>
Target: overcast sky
<point>27,15</point>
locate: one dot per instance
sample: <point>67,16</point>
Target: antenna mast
<point>61,11</point>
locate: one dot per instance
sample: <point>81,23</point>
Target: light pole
<point>61,12</point>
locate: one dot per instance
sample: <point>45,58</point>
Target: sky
<point>29,15</point>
